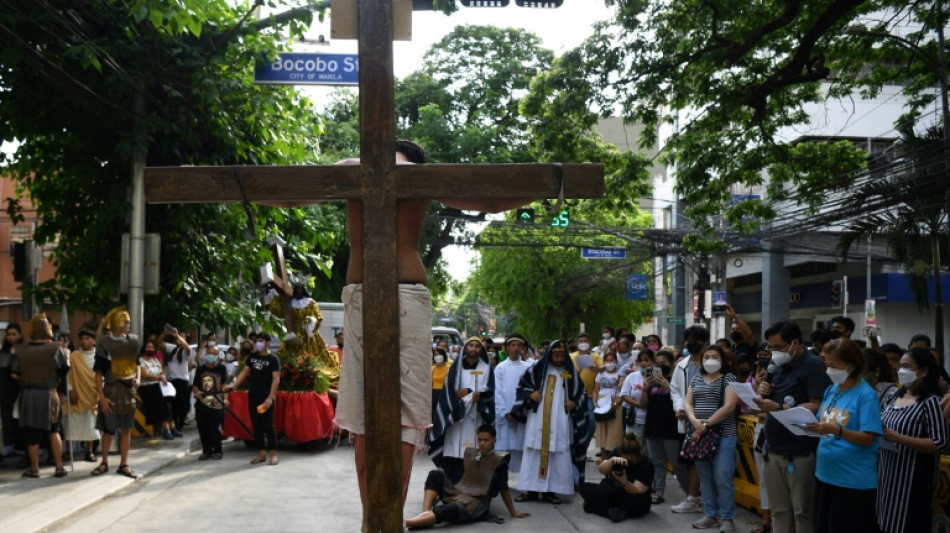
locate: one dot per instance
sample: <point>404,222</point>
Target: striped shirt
<point>908,478</point>
<point>708,398</point>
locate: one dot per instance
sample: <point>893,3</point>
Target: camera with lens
<point>618,469</point>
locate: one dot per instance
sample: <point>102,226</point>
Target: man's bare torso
<point>410,215</point>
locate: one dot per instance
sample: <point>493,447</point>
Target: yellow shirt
<point>438,376</point>
<point>586,375</point>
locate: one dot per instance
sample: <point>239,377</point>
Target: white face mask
<point>781,358</point>
<point>906,377</point>
<point>439,359</point>
<point>583,346</point>
<point>610,366</point>
<point>712,365</point>
<point>837,376</point>
<point>605,336</point>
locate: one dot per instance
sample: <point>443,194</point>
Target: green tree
<point>732,76</point>
<point>71,73</point>
<point>537,271</point>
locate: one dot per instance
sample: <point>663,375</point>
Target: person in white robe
<point>83,396</point>
<point>508,373</point>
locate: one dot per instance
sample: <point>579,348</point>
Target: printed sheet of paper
<point>795,420</point>
<point>745,392</point>
<point>585,361</point>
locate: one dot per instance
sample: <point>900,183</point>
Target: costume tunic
<point>510,432</point>
<point>559,476</point>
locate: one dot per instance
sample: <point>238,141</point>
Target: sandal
<point>552,498</point>
<point>273,461</point>
<point>527,497</point>
<point>764,528</point>
<point>656,499</point>
<point>90,457</point>
<point>258,460</point>
<point>31,473</point>
<point>60,472</point>
<point>101,469</point>
<point>124,470</point>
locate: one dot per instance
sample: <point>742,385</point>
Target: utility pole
<point>136,303</point>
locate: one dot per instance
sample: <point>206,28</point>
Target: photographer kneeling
<point>625,490</point>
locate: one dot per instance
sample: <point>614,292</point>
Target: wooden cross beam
<point>379,185</point>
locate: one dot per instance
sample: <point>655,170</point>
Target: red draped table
<point>300,416</point>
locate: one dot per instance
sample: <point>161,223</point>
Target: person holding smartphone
<point>663,438</point>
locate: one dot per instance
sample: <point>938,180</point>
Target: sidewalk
<point>35,504</point>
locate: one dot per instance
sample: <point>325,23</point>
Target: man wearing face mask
<point>587,376</point>
<point>263,368</point>
<point>695,339</point>
<point>799,379</point>
<point>466,402</point>
<point>210,402</point>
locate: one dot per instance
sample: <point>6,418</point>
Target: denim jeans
<point>715,480</point>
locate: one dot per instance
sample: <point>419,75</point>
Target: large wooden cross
<point>379,184</point>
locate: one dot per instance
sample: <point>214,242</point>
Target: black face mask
<point>665,369</point>
<point>245,351</point>
<point>694,347</point>
<point>736,336</point>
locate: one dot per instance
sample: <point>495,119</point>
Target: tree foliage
<point>68,89</point>
<point>733,77</point>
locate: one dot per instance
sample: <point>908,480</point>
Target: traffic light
<point>525,216</point>
<point>837,286</point>
<point>481,331</point>
<point>21,261</point>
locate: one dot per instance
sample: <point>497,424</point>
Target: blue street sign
<point>637,287</point>
<point>603,253</point>
<point>296,68</point>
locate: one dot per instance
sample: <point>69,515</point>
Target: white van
<point>450,334</point>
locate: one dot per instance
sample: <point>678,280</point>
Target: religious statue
<point>305,360</point>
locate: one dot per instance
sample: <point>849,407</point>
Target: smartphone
<point>657,371</point>
<point>648,372</point>
<point>169,328</point>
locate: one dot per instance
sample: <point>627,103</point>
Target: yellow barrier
<point>141,429</point>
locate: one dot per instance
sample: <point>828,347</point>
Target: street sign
<point>676,320</point>
<point>298,68</point>
<point>659,312</point>
<point>637,287</point>
<point>613,252</point>
<point>543,4</point>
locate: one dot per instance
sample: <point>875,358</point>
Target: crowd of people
<point>72,401</point>
<point>863,454</point>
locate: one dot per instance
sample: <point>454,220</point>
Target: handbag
<point>706,447</point>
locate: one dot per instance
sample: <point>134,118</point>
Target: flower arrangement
<point>302,372</point>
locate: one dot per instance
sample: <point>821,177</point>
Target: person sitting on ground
<point>625,490</point>
<point>485,474</point>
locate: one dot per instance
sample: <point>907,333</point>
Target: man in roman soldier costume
<point>485,475</point>
<point>117,377</point>
<point>40,366</point>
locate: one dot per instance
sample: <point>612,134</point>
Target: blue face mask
<point>211,359</point>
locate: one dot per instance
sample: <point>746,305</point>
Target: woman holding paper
<point>154,405</point>
<point>916,435</point>
<point>849,423</point>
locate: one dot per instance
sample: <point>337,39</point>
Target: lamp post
<point>941,65</point>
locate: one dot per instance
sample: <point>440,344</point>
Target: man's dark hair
<point>844,321</point>
<point>581,335</point>
<point>86,333</point>
<point>789,331</point>
<point>890,347</point>
<point>821,336</point>
<point>609,328</point>
<point>412,151</point>
<point>630,337</point>
<point>263,336</point>
<point>696,334</point>
<point>920,337</point>
<point>486,428</point>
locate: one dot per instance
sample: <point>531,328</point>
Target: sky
<point>560,29</point>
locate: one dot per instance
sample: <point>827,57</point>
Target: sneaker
<point>616,515</point>
<point>706,522</point>
<point>727,526</point>
<point>204,457</point>
<point>688,505</point>
<point>177,434</point>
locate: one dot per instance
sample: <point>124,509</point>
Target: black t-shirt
<point>208,381</point>
<point>262,369</point>
<point>803,378</point>
<point>641,471</point>
<point>661,420</point>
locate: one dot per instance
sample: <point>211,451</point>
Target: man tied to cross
<point>415,311</point>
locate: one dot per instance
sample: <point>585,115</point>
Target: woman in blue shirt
<point>849,422</point>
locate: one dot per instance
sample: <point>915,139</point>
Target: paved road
<point>308,491</point>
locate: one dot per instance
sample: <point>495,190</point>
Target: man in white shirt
<point>507,375</point>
